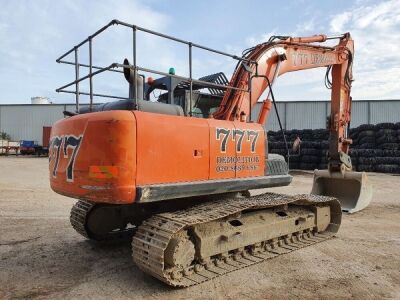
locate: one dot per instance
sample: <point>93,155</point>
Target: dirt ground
<point>41,256</point>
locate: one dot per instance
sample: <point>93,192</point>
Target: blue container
<point>27,144</point>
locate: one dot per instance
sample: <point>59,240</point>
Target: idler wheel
<point>180,251</point>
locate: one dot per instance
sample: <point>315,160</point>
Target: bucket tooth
<point>352,189</point>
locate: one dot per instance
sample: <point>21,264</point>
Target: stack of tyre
<point>277,145</point>
<point>375,148</point>
<point>312,154</point>
<point>313,149</point>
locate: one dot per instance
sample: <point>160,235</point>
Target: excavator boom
<point>288,54</point>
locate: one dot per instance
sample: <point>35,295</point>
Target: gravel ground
<point>42,257</point>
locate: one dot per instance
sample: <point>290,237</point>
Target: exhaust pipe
<point>352,189</point>
<point>129,75</point>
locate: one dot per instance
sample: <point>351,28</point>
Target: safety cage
<point>189,86</point>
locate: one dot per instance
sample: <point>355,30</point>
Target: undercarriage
<point>183,244</point>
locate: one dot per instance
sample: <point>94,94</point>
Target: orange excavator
<point>173,175</point>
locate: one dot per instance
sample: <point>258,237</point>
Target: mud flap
<point>352,189</point>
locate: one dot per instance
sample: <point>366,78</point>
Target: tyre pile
<point>375,148</point>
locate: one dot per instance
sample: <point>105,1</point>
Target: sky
<point>34,33</point>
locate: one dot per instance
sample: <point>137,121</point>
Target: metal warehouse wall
<point>312,114</point>
<point>25,122</point>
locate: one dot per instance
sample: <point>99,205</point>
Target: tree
<point>4,136</point>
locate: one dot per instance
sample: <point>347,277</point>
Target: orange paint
<point>109,139</point>
<point>251,158</point>
<point>103,172</point>
<point>104,156</point>
<point>221,155</point>
<point>166,149</point>
<point>120,150</point>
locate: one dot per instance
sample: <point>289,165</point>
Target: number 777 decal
<point>64,143</point>
<point>222,134</point>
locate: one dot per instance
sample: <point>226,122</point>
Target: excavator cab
<point>200,103</point>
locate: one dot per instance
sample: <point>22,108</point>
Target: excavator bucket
<point>351,189</point>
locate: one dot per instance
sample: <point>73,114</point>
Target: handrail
<point>114,66</point>
<point>117,22</point>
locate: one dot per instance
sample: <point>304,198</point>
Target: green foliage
<point>5,136</point>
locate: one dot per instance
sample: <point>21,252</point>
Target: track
<point>85,217</point>
<point>153,237</point>
<point>78,216</point>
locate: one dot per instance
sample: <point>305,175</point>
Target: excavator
<point>173,174</point>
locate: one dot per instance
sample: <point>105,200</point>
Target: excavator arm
<point>273,59</point>
<point>286,54</point>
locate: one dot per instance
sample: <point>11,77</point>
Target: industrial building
<point>26,121</point>
<point>313,114</point>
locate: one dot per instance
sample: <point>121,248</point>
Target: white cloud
<point>376,33</point>
<point>339,22</point>
<point>35,33</point>
<point>378,84</point>
<point>375,29</point>
<point>254,40</point>
<point>305,27</point>
<point>376,62</point>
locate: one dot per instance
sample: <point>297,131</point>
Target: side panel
<point>93,157</point>
<point>105,156</point>
<point>171,149</point>
<point>237,149</point>
<point>250,149</point>
<point>222,149</point>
